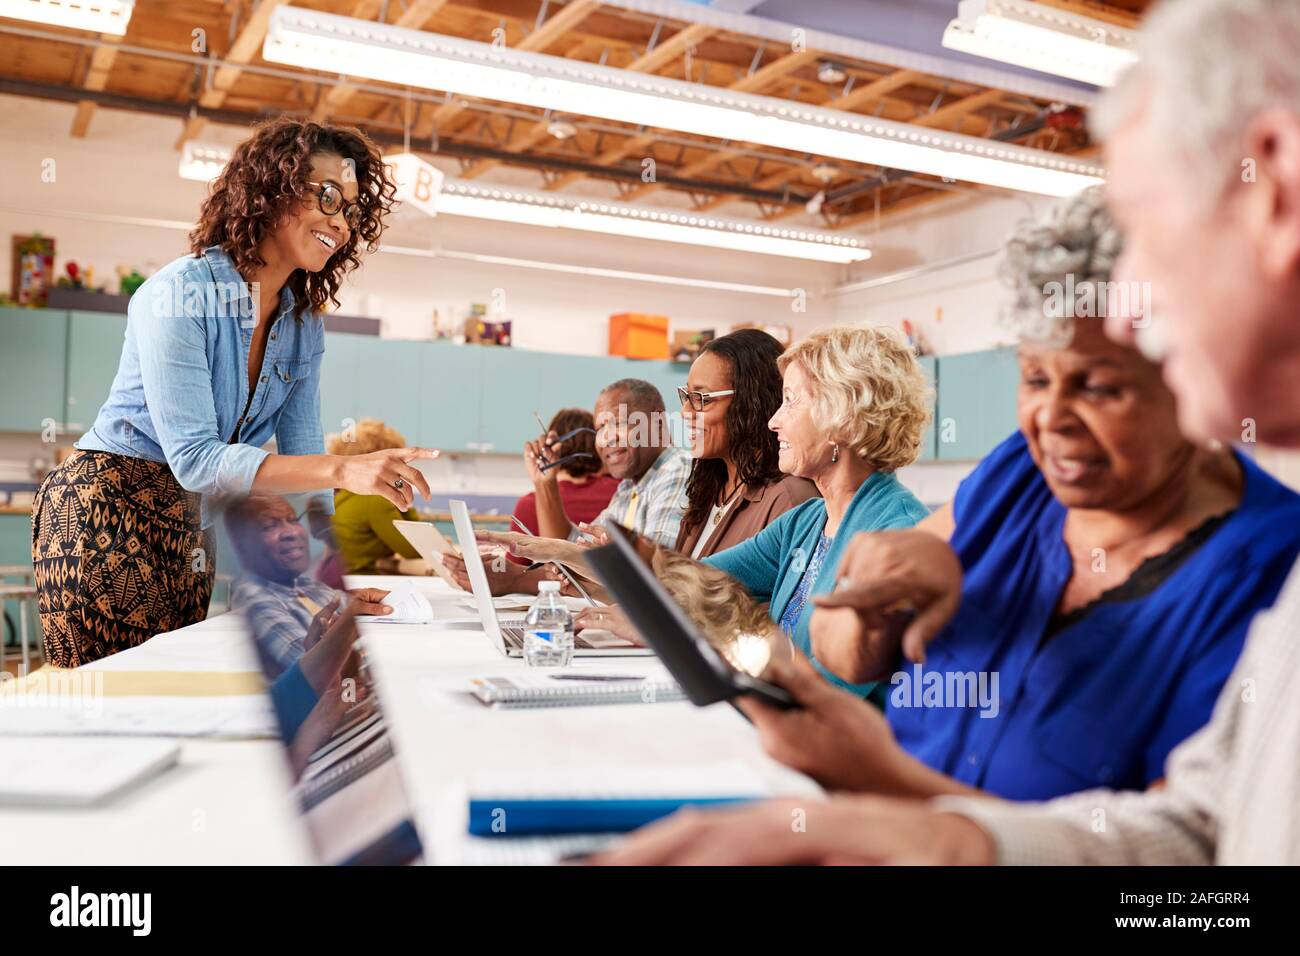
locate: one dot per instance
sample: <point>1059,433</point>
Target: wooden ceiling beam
<point>960,109</point>
<point>669,50</point>
<point>764,76</point>
<point>242,51</point>
<point>101,65</point>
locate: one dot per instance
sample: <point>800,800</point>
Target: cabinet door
<point>16,539</point>
<point>95,342</point>
<point>977,402</point>
<point>338,381</point>
<point>451,380</point>
<point>931,369</point>
<point>33,353</point>
<point>571,381</point>
<point>388,382</point>
<point>514,385</point>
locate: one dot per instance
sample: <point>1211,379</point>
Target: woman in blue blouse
<point>222,354</point>
<point>1084,597</point>
<point>853,411</point>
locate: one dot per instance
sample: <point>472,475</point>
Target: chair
<point>23,572</point>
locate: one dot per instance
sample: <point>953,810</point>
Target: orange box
<point>633,335</point>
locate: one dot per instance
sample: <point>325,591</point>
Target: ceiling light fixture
<point>100,16</point>
<point>1042,38</point>
<point>829,72</point>
<point>825,173</point>
<point>314,40</point>
<point>452,197</point>
<point>505,204</point>
<point>562,128</point>
<point>203,161</point>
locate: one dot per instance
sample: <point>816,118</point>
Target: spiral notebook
<point>538,690</point>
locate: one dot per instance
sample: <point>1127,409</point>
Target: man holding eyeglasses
<point>565,458</point>
<point>635,445</point>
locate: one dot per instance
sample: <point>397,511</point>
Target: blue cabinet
<point>94,351</point>
<point>450,401</point>
<point>33,350</point>
<point>930,366</point>
<point>59,366</point>
<point>513,385</point>
<point>338,382</point>
<point>977,402</point>
<point>16,539</point>
<point>388,382</point>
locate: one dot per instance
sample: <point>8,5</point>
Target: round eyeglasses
<point>329,199</point>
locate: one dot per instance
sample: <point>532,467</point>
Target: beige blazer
<point>756,509</point>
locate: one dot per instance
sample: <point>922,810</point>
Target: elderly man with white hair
<point>1203,146</point>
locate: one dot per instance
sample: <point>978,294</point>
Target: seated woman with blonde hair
<point>853,411</point>
<point>363,524</point>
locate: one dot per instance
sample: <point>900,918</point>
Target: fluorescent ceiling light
<point>452,197</point>
<point>203,161</point>
<point>101,16</point>
<point>1042,38</point>
<point>321,41</point>
<point>505,204</point>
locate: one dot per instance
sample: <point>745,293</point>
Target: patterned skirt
<point>118,556</point>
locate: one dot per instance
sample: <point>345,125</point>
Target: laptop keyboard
<point>514,636</point>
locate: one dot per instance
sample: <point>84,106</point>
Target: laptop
<point>352,803</point>
<point>507,632</point>
<point>695,664</point>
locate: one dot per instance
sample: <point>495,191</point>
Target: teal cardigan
<point>771,563</point>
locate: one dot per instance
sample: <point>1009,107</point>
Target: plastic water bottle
<point>548,629</point>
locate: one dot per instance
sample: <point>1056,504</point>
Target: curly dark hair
<point>566,420</point>
<point>267,176</point>
<point>752,355</point>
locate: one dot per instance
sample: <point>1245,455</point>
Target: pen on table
<point>615,677</point>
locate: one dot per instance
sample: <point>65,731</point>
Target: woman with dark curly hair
<point>736,488</point>
<point>222,352</point>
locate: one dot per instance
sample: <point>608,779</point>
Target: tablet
<point>430,544</point>
<point>695,664</point>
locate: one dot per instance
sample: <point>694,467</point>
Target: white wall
<point>956,307</point>
<point>126,167</point>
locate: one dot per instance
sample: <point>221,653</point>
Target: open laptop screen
<point>345,778</point>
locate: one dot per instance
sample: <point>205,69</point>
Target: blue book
<point>523,816</point>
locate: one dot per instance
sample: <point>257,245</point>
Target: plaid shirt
<point>277,615</point>
<point>1231,793</point>
<point>659,498</point>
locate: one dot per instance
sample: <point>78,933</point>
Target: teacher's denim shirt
<point>182,382</point>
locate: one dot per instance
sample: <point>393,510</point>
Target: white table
<point>226,803</point>
<point>238,790</point>
<point>445,739</point>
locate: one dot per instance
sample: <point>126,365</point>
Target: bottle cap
<point>545,586</point>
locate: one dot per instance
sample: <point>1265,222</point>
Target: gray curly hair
<point>1059,269</point>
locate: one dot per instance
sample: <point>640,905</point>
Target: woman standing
<point>222,353</point>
